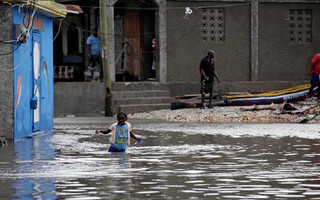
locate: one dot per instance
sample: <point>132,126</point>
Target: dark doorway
<point>134,32</point>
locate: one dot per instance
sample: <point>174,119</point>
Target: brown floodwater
<point>175,161</point>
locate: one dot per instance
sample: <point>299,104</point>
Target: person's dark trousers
<point>311,89</point>
<point>314,81</point>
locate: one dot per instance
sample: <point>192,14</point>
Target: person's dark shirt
<point>207,65</point>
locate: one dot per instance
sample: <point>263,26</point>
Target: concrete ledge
<point>136,86</point>
<point>143,100</point>
<point>140,93</point>
<point>181,88</point>
<point>141,108</point>
<point>88,99</point>
<point>177,89</point>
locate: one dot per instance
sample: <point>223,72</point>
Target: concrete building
<point>266,41</point>
<point>26,74</point>
<point>260,45</point>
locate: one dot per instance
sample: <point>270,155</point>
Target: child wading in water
<point>120,134</point>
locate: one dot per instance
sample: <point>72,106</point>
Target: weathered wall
<point>6,76</point>
<point>186,48</point>
<point>280,59</point>
<point>78,98</point>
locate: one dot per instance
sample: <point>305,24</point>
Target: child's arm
<point>103,132</point>
<point>134,137</point>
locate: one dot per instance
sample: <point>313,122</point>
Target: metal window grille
<point>212,25</point>
<point>300,26</point>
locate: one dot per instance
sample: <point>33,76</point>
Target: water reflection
<point>120,183</point>
<point>30,162</point>
<point>172,163</point>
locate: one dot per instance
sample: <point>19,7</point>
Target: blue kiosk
<point>33,66</point>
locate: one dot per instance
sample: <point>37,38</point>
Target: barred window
<point>212,25</point>
<point>300,26</point>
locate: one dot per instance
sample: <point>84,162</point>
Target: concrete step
<point>135,108</point>
<point>132,97</point>
<point>143,100</point>
<point>140,94</point>
<point>136,86</point>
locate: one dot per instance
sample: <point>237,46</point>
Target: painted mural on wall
<point>33,74</point>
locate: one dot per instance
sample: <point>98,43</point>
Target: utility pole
<point>105,54</point>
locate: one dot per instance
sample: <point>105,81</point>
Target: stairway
<point>140,97</point>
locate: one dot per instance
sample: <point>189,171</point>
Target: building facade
<point>260,45</point>
<point>260,40</point>
<point>253,40</point>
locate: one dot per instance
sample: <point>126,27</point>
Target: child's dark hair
<point>122,113</point>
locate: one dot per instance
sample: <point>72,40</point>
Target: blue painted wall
<point>24,83</point>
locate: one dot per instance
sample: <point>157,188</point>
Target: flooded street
<point>176,161</point>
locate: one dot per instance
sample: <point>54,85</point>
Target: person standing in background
<point>94,56</point>
<point>207,71</point>
<point>153,68</point>
<point>314,73</point>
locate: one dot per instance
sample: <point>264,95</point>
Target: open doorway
<point>135,40</point>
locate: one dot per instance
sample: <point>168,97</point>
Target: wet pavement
<point>176,161</point>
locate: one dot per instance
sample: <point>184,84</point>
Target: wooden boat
<point>290,94</point>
